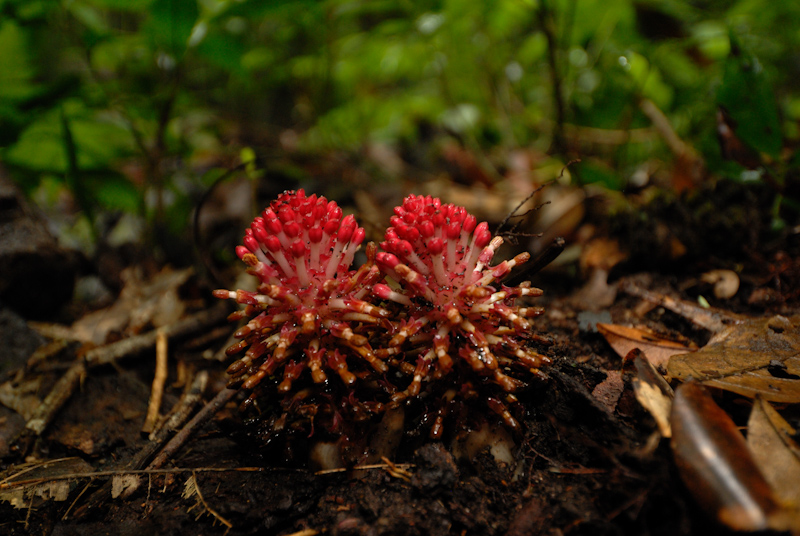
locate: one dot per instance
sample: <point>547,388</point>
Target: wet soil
<point>580,467</point>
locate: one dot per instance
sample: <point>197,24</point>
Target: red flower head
<point>446,326</point>
<point>308,300</point>
<point>457,312</point>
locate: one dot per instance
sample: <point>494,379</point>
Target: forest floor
<point>590,459</point>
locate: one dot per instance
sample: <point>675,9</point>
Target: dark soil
<point>580,467</point>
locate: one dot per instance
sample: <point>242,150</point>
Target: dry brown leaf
<point>603,253</point>
<point>21,397</point>
<point>776,453</point>
<point>755,357</point>
<point>141,303</point>
<point>22,484</point>
<point>123,483</point>
<point>653,393</point>
<point>715,463</point>
<point>655,346</point>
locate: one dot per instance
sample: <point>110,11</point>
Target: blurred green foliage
<point>135,105</point>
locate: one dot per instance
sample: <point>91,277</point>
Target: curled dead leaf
<point>776,453</point>
<point>657,347</point>
<point>755,357</point>
<point>653,393</point>
<point>715,463</point>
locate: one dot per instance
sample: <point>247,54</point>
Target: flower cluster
<point>427,318</point>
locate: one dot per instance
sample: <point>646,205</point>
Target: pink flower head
<point>458,314</point>
<point>307,311</point>
<point>426,320</point>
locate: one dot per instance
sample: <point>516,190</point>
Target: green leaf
<point>225,51</point>
<point>16,70</point>
<point>98,143</point>
<point>122,5</point>
<point>747,96</point>
<point>171,23</point>
<point>595,172</point>
<point>114,192</point>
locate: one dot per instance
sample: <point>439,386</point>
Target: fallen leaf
<point>603,253</point>
<point>141,304</point>
<point>715,464</point>
<point>755,357</point>
<point>775,452</point>
<point>655,346</point>
<point>21,397</point>
<point>653,393</point>
<point>123,483</point>
<point>43,481</point>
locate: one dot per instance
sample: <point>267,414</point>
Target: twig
<point>104,355</point>
<point>193,487</point>
<point>57,397</point>
<point>180,413</point>
<point>33,467</point>
<point>178,416</point>
<point>194,323</point>
<point>710,319</point>
<point>177,442</point>
<point>513,213</point>
<point>400,466</point>
<point>306,532</point>
<point>664,128</point>
<point>551,252</point>
<point>84,490</point>
<point>121,472</point>
<point>160,378</point>
<point>605,136</point>
<point>395,470</point>
<point>680,149</point>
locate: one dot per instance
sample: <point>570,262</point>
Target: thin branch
<point>548,25</point>
<point>56,398</point>
<point>105,355</point>
<point>66,385</point>
<point>195,487</point>
<point>33,467</point>
<point>363,467</point>
<point>160,378</point>
<point>180,413</point>
<point>122,472</point>
<point>177,442</point>
<point>200,244</point>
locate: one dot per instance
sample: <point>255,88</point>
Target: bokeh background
<point>118,116</point>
